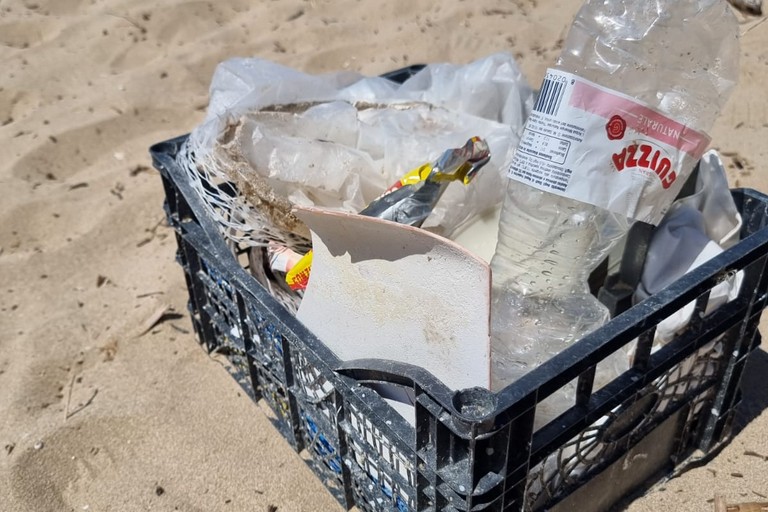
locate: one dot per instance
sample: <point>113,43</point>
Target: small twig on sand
<point>86,404</point>
<point>751,453</point>
<point>125,18</point>
<point>152,231</point>
<point>722,506</point>
<point>754,26</point>
<point>164,312</point>
<point>179,329</point>
<point>149,294</point>
<point>69,396</point>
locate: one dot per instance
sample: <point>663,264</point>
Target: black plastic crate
<point>473,449</point>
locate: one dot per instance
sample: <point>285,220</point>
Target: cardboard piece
<point>378,289</point>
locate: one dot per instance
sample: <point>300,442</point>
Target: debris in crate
<point>411,200</point>
<point>277,159</point>
<point>385,287</point>
<point>567,207</point>
<point>264,266</point>
<point>297,276</point>
<point>275,138</point>
<point>282,258</point>
<point>413,197</point>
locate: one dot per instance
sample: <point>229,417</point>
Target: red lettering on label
<point>631,161</point>
<point>639,156</point>
<point>618,159</point>
<point>664,166</point>
<point>655,159</point>
<point>300,281</point>
<point>669,180</point>
<point>645,150</point>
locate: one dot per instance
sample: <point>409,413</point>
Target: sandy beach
<point>101,408</point>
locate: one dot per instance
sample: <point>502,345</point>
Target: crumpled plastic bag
<point>696,228</point>
<point>338,140</point>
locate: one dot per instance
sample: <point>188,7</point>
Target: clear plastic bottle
<point>678,57</point>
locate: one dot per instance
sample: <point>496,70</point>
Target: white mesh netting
<point>274,138</point>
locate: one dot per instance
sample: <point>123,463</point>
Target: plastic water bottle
<point>618,126</point>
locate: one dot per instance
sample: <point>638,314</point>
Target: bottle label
<point>596,145</point>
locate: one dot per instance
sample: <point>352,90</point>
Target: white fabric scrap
<point>696,229</point>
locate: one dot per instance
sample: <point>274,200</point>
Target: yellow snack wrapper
<point>411,199</point>
<point>298,276</point>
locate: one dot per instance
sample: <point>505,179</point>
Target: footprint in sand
<point>15,105</point>
<point>40,393</point>
<point>59,7</point>
<point>28,33</point>
<point>56,474</point>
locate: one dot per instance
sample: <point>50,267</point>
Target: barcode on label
<point>550,97</point>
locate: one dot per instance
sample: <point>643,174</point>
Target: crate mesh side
<point>322,449</point>
<point>181,259</point>
<point>237,367</point>
<point>312,387</point>
<point>374,491</point>
<point>688,383</point>
<point>221,307</point>
<point>223,319</point>
<point>276,396</point>
<point>267,342</point>
<point>384,476</point>
<point>319,406</point>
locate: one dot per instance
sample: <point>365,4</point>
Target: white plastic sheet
<point>345,138</point>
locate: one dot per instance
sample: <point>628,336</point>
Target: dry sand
<point>96,416</point>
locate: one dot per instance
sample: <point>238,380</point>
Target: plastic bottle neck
<point>548,245</point>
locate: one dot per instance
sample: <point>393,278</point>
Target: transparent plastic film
<point>412,198</point>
